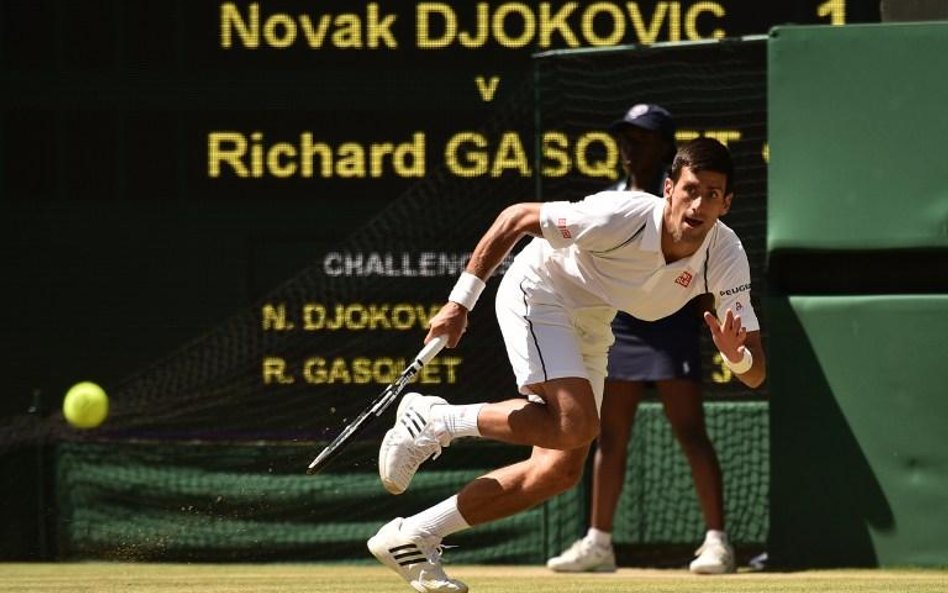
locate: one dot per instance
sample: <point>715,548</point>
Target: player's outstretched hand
<point>729,335</point>
<point>450,321</point>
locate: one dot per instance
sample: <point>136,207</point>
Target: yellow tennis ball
<point>86,405</point>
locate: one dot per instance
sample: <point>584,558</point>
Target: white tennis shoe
<point>584,556</point>
<point>413,440</point>
<point>713,557</point>
<point>416,558</point>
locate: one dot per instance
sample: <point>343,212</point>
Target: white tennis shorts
<point>546,339</point>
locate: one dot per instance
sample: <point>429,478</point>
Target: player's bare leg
<point>560,429</point>
<point>568,418</point>
<point>567,422</point>
<point>518,487</point>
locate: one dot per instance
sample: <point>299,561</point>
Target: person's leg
<point>594,552</point>
<point>619,404</point>
<point>410,546</point>
<point>568,420</point>
<point>503,492</point>
<point>520,486</point>
<point>684,408</point>
<point>560,429</point>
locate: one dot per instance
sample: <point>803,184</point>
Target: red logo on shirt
<point>564,230</point>
<point>684,279</point>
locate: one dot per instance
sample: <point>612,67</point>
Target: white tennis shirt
<point>606,251</point>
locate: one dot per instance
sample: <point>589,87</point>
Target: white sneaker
<point>415,558</point>
<point>713,557</point>
<point>412,441</point>
<point>584,556</point>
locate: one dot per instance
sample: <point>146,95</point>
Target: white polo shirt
<point>606,251</point>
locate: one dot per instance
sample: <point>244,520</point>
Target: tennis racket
<point>381,403</point>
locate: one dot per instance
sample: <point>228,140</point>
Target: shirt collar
<point>652,240</point>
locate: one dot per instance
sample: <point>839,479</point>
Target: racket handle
<point>432,349</point>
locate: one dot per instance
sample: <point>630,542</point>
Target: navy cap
<point>649,117</point>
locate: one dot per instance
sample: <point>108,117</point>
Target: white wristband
<point>467,290</point>
<point>743,365</point>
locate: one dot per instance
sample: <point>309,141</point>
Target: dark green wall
<point>857,245</point>
<point>858,474</point>
<point>857,130</point>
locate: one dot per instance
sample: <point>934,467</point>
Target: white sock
<point>441,520</point>
<point>599,537</point>
<point>460,421</point>
<point>715,535</point>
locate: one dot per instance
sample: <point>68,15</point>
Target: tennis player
<point>615,250</point>
<point>664,354</point>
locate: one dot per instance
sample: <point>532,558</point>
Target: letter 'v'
<point>487,89</point>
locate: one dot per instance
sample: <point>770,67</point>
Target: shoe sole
<point>582,570</point>
<point>712,570</point>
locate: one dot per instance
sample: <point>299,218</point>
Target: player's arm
<point>732,340</point>
<point>509,227</point>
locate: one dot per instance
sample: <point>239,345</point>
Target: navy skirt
<point>669,348</point>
